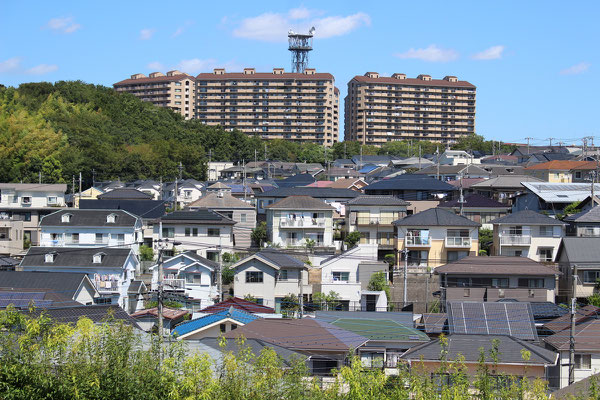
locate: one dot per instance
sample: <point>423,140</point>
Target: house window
<point>546,254</point>
<point>168,232</point>
<point>194,231</point>
<point>26,200</point>
<point>223,327</point>
<point>49,258</point>
<point>341,276</point>
<point>52,200</point>
<point>120,238</point>
<point>283,275</point>
<point>242,217</point>
<point>546,231</point>
<point>515,231</point>
<point>66,218</point>
<point>188,231</point>
<point>456,255</point>
<point>213,232</point>
<point>99,238</point>
<point>193,278</point>
<point>111,218</point>
<point>583,361</point>
<point>418,258</point>
<point>499,282</point>
<point>74,237</point>
<point>531,283</point>
<point>254,277</point>
<point>591,276</point>
<point>457,233</point>
<point>98,258</point>
<point>577,174</point>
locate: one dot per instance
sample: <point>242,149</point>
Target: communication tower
<point>300,44</point>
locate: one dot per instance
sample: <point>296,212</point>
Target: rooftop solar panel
<point>23,299</point>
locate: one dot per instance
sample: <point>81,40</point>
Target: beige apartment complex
<point>274,105</point>
<point>175,90</point>
<point>385,109</point>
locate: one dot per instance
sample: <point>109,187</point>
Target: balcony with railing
<point>302,223</point>
<point>417,241</point>
<point>458,242</point>
<point>515,240</point>
<point>375,220</point>
<point>174,284</point>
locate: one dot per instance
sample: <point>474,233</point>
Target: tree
<point>146,253</point>
<point>310,244</point>
<point>227,275</point>
<point>259,234</point>
<point>290,303</point>
<point>390,259</point>
<point>572,208</point>
<point>251,298</point>
<point>486,239</point>
<point>352,239</point>
<point>327,301</point>
<point>379,282</point>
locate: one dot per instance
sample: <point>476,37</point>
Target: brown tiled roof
<point>168,313</point>
<point>564,322</point>
<point>216,202</point>
<point>239,304</point>
<point>173,78</point>
<point>561,164</point>
<point>435,322</point>
<point>496,265</point>
<point>413,81</point>
<point>208,76</point>
<point>347,183</point>
<point>587,337</point>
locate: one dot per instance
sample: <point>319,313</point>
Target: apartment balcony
<point>462,242</point>
<point>374,221</point>
<point>515,240</point>
<point>416,241</point>
<point>302,223</point>
<point>174,284</point>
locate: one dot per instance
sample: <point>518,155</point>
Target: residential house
<point>349,183</point>
<point>557,171</point>
<point>503,188</point>
<point>239,211</point>
<point>477,208</point>
<point>189,275</point>
<point>147,318</point>
<point>204,231</point>
<point>587,353</point>
<point>538,158</point>
<point>434,237</point>
<point>89,194</point>
<point>337,174</point>
<point>97,313</point>
<point>328,346</point>
<point>583,253</point>
<point>213,325</point>
<point>188,191</point>
<point>344,163</point>
<point>348,274</point>
<point>585,223</point>
<point>297,220</point>
<point>58,288</point>
<point>380,161</point>
<point>523,153</point>
<point>334,197</point>
<point>527,234</point>
<point>497,277</point>
<point>112,270</point>
<point>457,157</point>
<point>149,187</point>
<point>124,194</point>
<point>551,198</point>
<point>269,276</point>
<point>239,304</point>
<point>295,181</point>
<point>241,172</point>
<point>373,217</point>
<point>584,172</point>
<point>21,207</point>
<point>579,389</point>
<point>91,228</point>
<point>428,358</point>
<point>453,172</point>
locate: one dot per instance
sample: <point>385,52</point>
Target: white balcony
<point>516,240</point>
<point>302,223</point>
<point>417,241</point>
<point>458,242</point>
<point>174,284</point>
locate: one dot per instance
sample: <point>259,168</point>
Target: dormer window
<point>66,218</point>
<point>98,257</point>
<point>111,218</point>
<point>50,257</point>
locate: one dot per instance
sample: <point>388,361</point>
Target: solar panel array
<point>23,299</point>
<point>482,318</point>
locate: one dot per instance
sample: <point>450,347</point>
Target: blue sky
<point>535,64</point>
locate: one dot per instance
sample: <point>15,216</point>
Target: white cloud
<point>42,69</point>
<point>493,53</point>
<point>146,34</point>
<point>576,69</point>
<point>10,65</point>
<point>273,27</point>
<point>63,25</point>
<point>156,66</point>
<point>196,65</point>
<point>181,29</point>
<point>431,54</point>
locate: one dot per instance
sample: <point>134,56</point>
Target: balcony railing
<point>302,223</point>
<point>171,284</point>
<point>515,239</point>
<point>374,221</point>
<point>417,241</point>
<point>458,242</point>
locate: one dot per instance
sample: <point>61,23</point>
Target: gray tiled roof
<point>411,182</point>
<point>375,200</point>
<point>469,347</point>
<point>583,251</point>
<point>496,265</point>
<point>474,201</point>
<point>200,216</point>
<point>280,259</point>
<point>453,169</point>
<point>591,215</point>
<point>125,194</point>
<point>192,254</point>
<point>217,201</point>
<point>435,217</point>
<point>66,283</point>
<point>505,181</point>
<point>76,257</point>
<point>320,193</point>
<point>299,203</point>
<point>90,218</point>
<point>526,217</point>
<point>97,313</point>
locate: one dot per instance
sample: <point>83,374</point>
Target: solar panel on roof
<point>23,299</point>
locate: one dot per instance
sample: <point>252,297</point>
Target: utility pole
<point>160,284</point>
<point>255,153</point>
<point>40,177</point>
<point>572,331</point>
<point>528,139</point>
<point>419,156</point>
<point>301,297</point>
<point>361,162</point>
<point>461,199</point>
<point>220,273</point>
<point>80,188</point>
<point>73,191</point>
<point>437,152</point>
<point>93,177</point>
<point>550,139</point>
<point>404,291</point>
<point>175,193</point>
<point>244,179</point>
<point>344,149</point>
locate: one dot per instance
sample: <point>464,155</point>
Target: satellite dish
<point>312,30</point>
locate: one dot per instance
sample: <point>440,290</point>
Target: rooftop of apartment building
<point>250,73</point>
<point>421,80</point>
<point>171,76</point>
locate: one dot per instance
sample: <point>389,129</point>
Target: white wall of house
<point>16,198</point>
<point>213,330</point>
<point>291,228</point>
<point>559,374</point>
<point>85,294</point>
<point>534,242</point>
<point>204,243</point>
<point>58,236</point>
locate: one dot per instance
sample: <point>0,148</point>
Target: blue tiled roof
<point>199,323</point>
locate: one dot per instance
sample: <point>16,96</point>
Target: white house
<point>91,228</point>
<point>343,274</point>
<point>204,231</point>
<point>293,221</point>
<point>188,191</point>
<point>457,157</point>
<point>528,234</point>
<point>189,274</point>
<point>112,270</point>
<point>269,276</point>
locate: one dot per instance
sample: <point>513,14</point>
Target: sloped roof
<point>559,165</point>
<point>581,315</point>
<point>35,187</point>
<point>147,209</point>
<point>202,322</point>
<point>219,185</point>
<point>465,182</point>
<point>125,193</point>
<point>474,201</point>
<point>89,218</point>
<point>300,334</point>
<point>560,192</point>
<point>403,318</point>
<point>276,258</point>
<point>240,304</point>
<point>577,390</point>
<point>587,337</point>
<point>435,217</point>
<point>497,265</point>
<point>375,200</point>
<point>76,257</point>
<point>381,329</point>
<point>168,313</point>
<point>591,215</point>
<point>468,346</point>
<point>541,309</point>
<point>316,192</point>
<point>217,202</point>
<point>200,216</point>
<point>453,169</point>
<point>97,313</point>
<point>435,322</point>
<point>298,202</point>
<point>505,182</point>
<point>66,283</point>
<point>583,251</point>
<point>527,217</point>
<point>195,256</point>
<point>345,183</point>
<point>411,182</point>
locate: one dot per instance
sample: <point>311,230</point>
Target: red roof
<point>321,184</point>
<point>208,76</point>
<point>561,164</point>
<point>413,81</point>
<point>168,313</point>
<point>173,78</point>
<point>239,304</point>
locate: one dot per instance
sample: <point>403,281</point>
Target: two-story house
<point>190,275</point>
<point>497,277</point>
<point>188,191</point>
<point>434,237</point>
<point>583,253</point>
<point>457,157</point>
<point>334,197</point>
<point>527,234</point>
<point>373,217</point>
<point>585,223</point>
<point>477,208</point>
<point>21,207</point>
<point>91,228</point>
<point>239,211</point>
<point>269,276</point>
<point>556,171</point>
<point>112,270</point>
<point>297,220</point>
<point>204,231</point>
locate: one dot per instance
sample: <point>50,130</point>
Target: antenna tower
<point>300,44</point>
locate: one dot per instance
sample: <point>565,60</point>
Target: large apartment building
<point>384,109</point>
<point>274,105</point>
<point>175,90</point>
